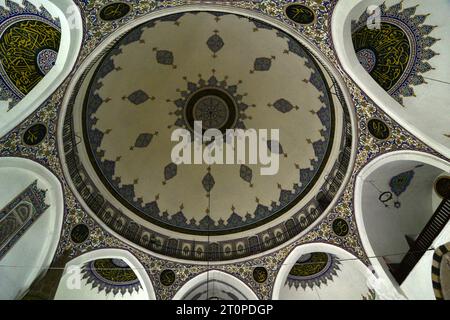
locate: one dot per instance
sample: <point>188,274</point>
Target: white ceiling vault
<point>106,274</point>
<point>422,90</point>
<point>93,139</point>
<point>66,17</point>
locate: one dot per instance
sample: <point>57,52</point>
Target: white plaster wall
<point>348,284</point>
<point>66,291</point>
<point>416,284</point>
<point>388,226</point>
<point>71,39</point>
<point>428,114</point>
<point>34,251</point>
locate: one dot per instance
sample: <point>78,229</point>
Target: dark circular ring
<point>382,196</point>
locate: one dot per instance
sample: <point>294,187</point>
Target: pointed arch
<point>34,246</point>
<point>64,292</point>
<point>348,263</point>
<point>71,22</point>
<point>221,279</point>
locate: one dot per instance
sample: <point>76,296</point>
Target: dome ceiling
<point>179,79</point>
<point>167,73</point>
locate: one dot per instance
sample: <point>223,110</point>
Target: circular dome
<point>217,68</point>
